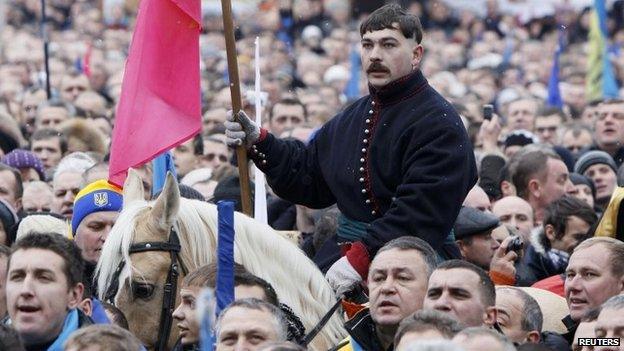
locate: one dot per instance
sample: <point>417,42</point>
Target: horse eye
<point>142,291</point>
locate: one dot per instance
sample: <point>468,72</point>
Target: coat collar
<point>399,89</point>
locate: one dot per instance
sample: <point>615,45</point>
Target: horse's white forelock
<point>263,252</point>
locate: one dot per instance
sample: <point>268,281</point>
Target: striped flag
<point>600,76</point>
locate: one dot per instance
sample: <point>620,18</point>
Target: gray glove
<point>236,133</point>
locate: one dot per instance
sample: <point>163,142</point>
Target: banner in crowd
<point>600,76</point>
<point>160,103</point>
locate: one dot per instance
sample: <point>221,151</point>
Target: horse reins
<point>170,288</point>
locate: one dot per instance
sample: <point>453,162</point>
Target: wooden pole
<point>241,152</point>
<point>46,52</point>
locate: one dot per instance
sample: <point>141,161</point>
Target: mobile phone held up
<point>488,111</point>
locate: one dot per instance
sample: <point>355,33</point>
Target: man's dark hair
<point>388,16</point>
<point>550,111</point>
<point>198,145</point>
<point>413,243</point>
<point>73,265</point>
<point>532,318</point>
<point>486,286</point>
<point>206,276</point>
<point>46,133</point>
<point>19,186</point>
<point>558,212</point>
<point>119,318</point>
<point>529,165</point>
<point>425,320</point>
<point>290,102</point>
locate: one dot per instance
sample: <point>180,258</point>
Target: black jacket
<point>399,159</point>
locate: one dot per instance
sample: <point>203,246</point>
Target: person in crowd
<point>586,329</point>
<point>44,288</point>
<point>482,338</point>
<point>610,322</point>
<point>11,187</point>
<point>8,223</point>
<point>516,212</point>
<point>425,325</point>
<point>518,315</point>
<point>186,155</point>
<point>595,273</point>
<point>50,146</point>
<point>67,181</point>
<point>521,114</point>
<point>397,283</point>
<point>5,252</point>
<point>547,124</point>
<point>37,197</point>
<point>584,189</point>
<point>541,177</point>
<point>609,129</point>
<point>397,194</point>
<point>473,234</point>
<point>477,198</point>
<point>249,324</point>
<point>103,337</point>
<point>463,291</point>
<point>287,113</point>
<point>600,167</point>
<point>566,224</point>
<point>29,165</point>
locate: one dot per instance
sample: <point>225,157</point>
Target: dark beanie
<point>9,219</point>
<point>489,174</point>
<point>577,179</point>
<point>594,157</point>
<point>520,138</point>
<point>7,142</point>
<point>229,189</point>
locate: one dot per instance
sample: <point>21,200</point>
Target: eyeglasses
<point>211,156</point>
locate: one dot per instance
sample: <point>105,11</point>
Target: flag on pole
<point>225,255</point>
<point>352,89</point>
<point>554,95</point>
<point>600,76</point>
<point>160,166</point>
<point>260,203</point>
<point>160,104</point>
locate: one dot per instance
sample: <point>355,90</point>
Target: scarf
<point>70,326</point>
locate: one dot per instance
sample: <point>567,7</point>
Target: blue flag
<point>352,90</point>
<point>160,166</point>
<point>225,255</point>
<point>554,95</point>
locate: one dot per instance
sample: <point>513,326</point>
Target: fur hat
<point>78,130</point>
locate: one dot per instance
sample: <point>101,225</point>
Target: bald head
<point>477,198</point>
<point>516,212</point>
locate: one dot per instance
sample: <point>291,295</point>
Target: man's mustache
<point>377,67</point>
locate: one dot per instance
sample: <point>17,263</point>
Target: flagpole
<point>46,53</point>
<point>241,153</point>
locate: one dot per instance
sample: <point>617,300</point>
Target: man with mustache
<point>396,162</point>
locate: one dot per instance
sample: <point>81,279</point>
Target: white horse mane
<point>263,252</point>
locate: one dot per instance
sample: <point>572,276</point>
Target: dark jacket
<point>537,264</point>
<point>362,331</point>
<point>399,159</point>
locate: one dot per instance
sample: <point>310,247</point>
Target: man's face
<point>213,118</point>
<point>3,275</point>
<point>509,310</point>
<point>37,201</point>
<point>51,117</point>
<point>71,87</point>
<point>245,329</point>
<point>516,212</point>
<point>92,232</point>
<point>286,117</point>
<point>480,249</point>
<point>589,281</point>
<point>397,283</point>
<point>609,125</point>
<point>604,179</point>
<point>584,330</point>
<point>38,295</point>
<point>387,56</point>
<point>49,151</point>
<point>215,154</point>
<point>546,128</point>
<point>576,144</point>
<point>457,292</point>
<point>583,192</point>
<point>576,230</point>
<point>557,182</point>
<point>186,317</point>
<point>413,337</point>
<point>65,186</point>
<point>522,115</point>
<point>184,158</point>
<point>610,324</point>
<point>8,189</point>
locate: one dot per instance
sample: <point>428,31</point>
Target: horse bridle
<point>169,296</point>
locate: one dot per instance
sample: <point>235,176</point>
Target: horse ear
<point>167,205</point>
<point>133,187</point>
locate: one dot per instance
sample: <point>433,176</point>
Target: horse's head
<point>132,246</point>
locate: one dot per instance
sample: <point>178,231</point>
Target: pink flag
<point>160,105</point>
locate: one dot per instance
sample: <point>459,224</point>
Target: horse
<point>142,260</point>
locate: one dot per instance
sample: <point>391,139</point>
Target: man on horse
<point>397,162</point>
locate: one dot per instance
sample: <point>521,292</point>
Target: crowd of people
<point>442,227</point>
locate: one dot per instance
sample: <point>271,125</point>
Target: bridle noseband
<point>169,296</point>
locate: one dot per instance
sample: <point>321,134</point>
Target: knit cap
<point>96,197</point>
<point>22,159</point>
<point>591,158</point>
